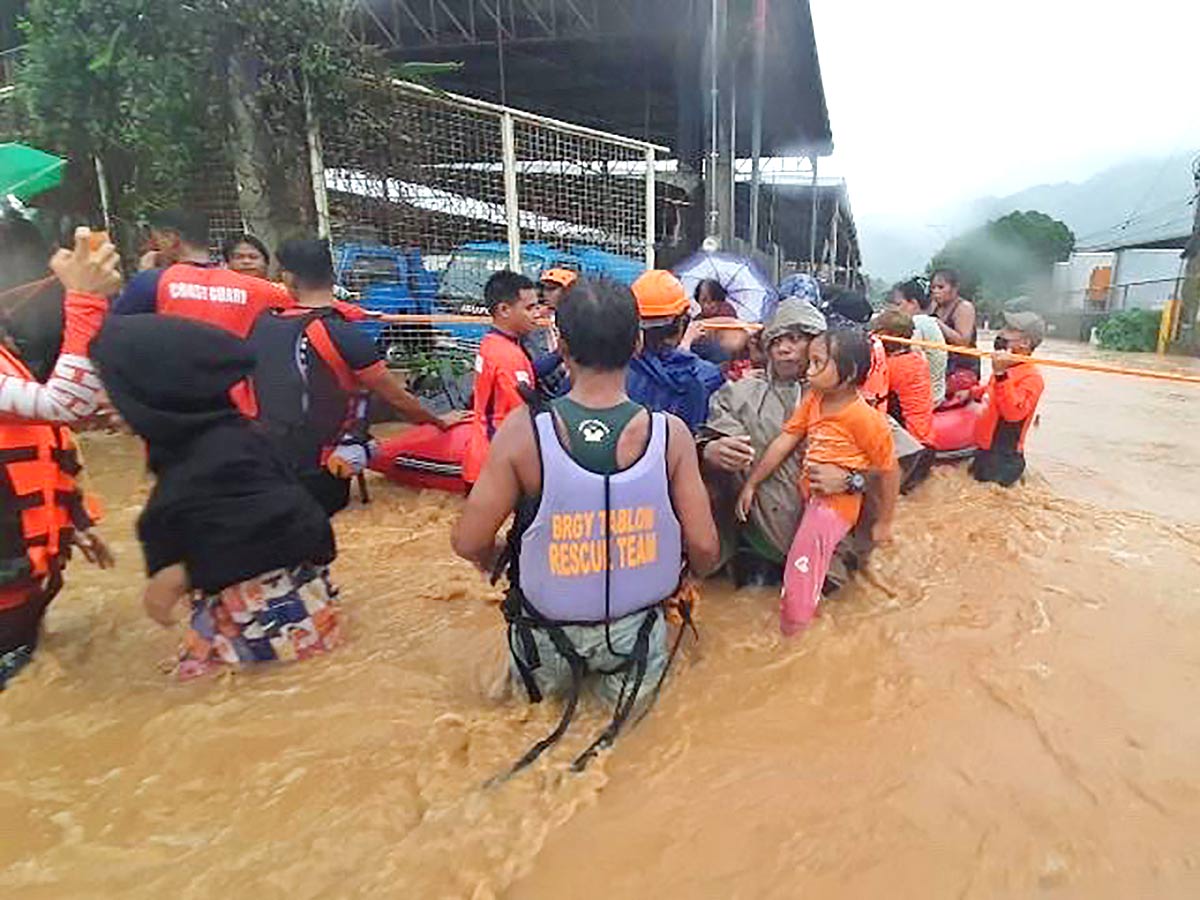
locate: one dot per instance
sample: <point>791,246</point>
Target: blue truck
<point>392,280</point>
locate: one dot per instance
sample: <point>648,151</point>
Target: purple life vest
<point>585,558</point>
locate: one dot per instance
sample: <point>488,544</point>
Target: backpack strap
<point>321,341</point>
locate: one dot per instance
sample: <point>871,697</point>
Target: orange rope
<point>1053,363</point>
<point>414,319</point>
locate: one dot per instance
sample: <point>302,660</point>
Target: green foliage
<point>1134,330</point>
<point>997,260</point>
<point>144,84</point>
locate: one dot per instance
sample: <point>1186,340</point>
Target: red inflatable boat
<point>954,430</point>
<point>424,456</point>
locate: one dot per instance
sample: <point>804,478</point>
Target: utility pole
<point>1189,326</point>
<point>760,53</point>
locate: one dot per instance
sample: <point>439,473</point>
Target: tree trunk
<point>274,193</point>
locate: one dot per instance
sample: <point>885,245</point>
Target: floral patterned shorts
<point>286,614</point>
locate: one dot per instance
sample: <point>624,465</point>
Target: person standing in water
<point>227,528</point>
<point>313,373</point>
<point>840,428</point>
<point>44,514</point>
<point>503,370</point>
<point>610,511</point>
<point>957,319</point>
<point>1013,395</point>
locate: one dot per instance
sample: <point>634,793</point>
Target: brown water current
<point>1003,705</point>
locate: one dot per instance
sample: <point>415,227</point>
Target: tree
<point>1000,259</point>
<point>158,90</point>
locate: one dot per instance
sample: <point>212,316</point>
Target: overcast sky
<point>935,102</point>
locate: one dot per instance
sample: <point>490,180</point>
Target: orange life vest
<point>40,503</point>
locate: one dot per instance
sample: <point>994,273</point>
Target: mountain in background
<point>1138,200</point>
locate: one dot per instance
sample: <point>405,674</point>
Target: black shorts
<point>998,467</point>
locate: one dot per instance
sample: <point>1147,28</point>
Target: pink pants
<point>820,531</point>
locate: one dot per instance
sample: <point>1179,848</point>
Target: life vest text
<point>213,293</point>
<point>580,541</point>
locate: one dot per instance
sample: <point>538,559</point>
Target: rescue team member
<point>192,286</point>
<point>227,525</point>
<point>663,376</point>
<point>908,392</point>
<point>609,510</point>
<point>957,318</point>
<point>248,255</point>
<point>548,367</point>
<point>503,370</point>
<point>313,371</point>
<point>1013,395</point>
<point>43,512</point>
<point>839,428</point>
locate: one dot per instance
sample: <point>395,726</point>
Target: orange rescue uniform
<point>502,370</point>
<point>1012,401</point>
<point>910,394</point>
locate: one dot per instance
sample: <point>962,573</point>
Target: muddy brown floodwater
<point>1002,706</point>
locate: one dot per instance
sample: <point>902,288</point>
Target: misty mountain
<point>1134,201</point>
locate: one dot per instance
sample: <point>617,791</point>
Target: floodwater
<point>1002,706</point>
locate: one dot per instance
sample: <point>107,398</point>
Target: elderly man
<point>744,417</point>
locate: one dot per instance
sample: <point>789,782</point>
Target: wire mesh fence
<point>429,194</point>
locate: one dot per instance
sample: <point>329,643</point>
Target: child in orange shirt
<point>841,429</point>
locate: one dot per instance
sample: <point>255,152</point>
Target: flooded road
<point>1002,706</point>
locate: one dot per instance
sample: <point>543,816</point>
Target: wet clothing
<point>202,292</point>
<point>926,328</point>
<point>600,546</point>
<point>674,381</point>
<point>960,361</point>
<point>503,371</point>
<point>821,529</point>
<point>592,434</point>
<point>1012,400</point>
<point>308,392</point>
<point>225,505</point>
<point>41,508</point>
<point>578,606</point>
<point>552,671</point>
<point>910,394</point>
<point>856,437</point>
<point>71,391</point>
<point>287,614</point>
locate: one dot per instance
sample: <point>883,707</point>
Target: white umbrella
<point>748,288</point>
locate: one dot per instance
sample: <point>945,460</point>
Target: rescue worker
<point>663,376</point>
<point>548,367</point>
<point>191,285</point>
<point>503,370</point>
<point>43,512</point>
<point>610,511</point>
<point>1013,394</point>
<point>312,374</point>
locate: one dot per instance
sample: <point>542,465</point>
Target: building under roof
<point>634,67</point>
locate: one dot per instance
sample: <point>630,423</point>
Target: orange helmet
<point>562,278</point>
<point>660,295</point>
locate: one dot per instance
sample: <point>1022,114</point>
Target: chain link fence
<point>428,194</point>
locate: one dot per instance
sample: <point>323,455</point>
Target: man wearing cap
<point>542,345</point>
<point>1012,394</point>
<point>663,377</point>
<point>744,417</point>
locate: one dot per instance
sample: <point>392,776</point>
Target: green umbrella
<point>26,171</point>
